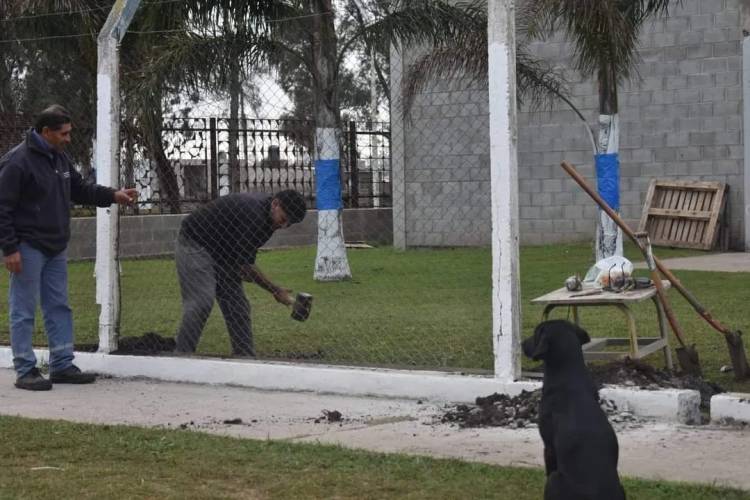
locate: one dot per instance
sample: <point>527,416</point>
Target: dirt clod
<point>330,416</point>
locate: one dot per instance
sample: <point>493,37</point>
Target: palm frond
<point>538,83</point>
<point>604,33</point>
<point>193,61</point>
<point>432,22</point>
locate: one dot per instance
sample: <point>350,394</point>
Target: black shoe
<point>72,375</point>
<point>33,381</point>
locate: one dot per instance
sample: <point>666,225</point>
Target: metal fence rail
<point>211,157</point>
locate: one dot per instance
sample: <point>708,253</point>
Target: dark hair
<point>293,204</point>
<point>52,117</point>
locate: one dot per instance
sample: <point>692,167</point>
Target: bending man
<point>216,251</point>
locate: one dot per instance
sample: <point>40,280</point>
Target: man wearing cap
<point>216,251</point>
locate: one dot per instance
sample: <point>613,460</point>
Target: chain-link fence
<point>232,121</point>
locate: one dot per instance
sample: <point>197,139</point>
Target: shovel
<point>733,338</point>
<point>687,356</point>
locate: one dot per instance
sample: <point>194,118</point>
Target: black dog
<point>580,446</point>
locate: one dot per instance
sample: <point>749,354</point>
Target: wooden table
<point>639,347</point>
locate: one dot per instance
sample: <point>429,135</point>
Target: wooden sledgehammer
<point>733,338</point>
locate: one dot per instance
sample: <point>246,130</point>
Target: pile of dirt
<point>501,410</point>
<point>147,344</point>
<point>497,410</point>
<point>518,412</point>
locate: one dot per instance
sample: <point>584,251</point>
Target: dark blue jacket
<point>37,184</point>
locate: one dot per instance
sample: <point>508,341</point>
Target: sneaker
<point>71,375</point>
<point>33,381</point>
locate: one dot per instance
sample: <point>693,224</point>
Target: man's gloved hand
<point>283,296</point>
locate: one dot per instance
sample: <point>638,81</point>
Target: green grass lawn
<point>43,459</point>
<point>427,308</point>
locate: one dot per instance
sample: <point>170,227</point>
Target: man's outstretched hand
<point>126,196</point>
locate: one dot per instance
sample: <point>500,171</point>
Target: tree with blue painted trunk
<point>322,52</point>
<point>605,36</point>
<point>331,263</point>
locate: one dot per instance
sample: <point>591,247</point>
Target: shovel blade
<point>687,357</point>
<point>737,355</point>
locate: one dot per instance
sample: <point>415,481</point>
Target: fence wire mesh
<point>232,121</point>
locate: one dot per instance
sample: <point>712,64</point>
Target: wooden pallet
<point>684,214</point>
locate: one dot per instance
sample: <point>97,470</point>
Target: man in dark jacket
<point>216,251</point>
<point>37,184</point>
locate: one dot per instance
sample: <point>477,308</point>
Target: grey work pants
<point>202,282</point>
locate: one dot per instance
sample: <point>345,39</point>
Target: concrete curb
<point>730,406</point>
<point>295,377</point>
<point>672,405</point>
<point>675,405</point>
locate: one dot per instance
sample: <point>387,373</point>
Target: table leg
<point>575,315</point>
<point>631,329</point>
<point>547,309</point>
<point>663,331</point>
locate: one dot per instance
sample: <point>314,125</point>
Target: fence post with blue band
<point>608,178</point>
<point>328,185</point>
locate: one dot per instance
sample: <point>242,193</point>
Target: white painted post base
<point>608,237</point>
<point>331,262</point>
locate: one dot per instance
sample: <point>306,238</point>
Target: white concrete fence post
<point>506,307</point>
<point>106,157</point>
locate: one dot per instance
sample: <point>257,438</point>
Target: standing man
<point>216,251</point>
<point>37,184</point>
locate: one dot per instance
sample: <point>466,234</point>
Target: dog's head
<point>555,340</point>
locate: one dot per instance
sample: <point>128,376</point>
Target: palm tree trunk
<point>331,263</point>
<point>169,191</point>
<point>234,105</point>
<point>608,234</point>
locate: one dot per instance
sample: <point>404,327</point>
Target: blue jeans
<point>45,277</point>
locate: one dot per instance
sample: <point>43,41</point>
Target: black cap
<point>293,204</point>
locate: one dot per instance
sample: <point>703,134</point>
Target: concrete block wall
<point>682,119</point>
<point>155,235</point>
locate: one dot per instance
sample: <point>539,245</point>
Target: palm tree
<point>322,54</point>
<point>604,34</point>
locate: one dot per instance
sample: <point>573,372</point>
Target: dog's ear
<point>541,346</point>
<point>583,337</point>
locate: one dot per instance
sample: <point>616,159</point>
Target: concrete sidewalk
<point>734,262</point>
<point>648,450</point>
